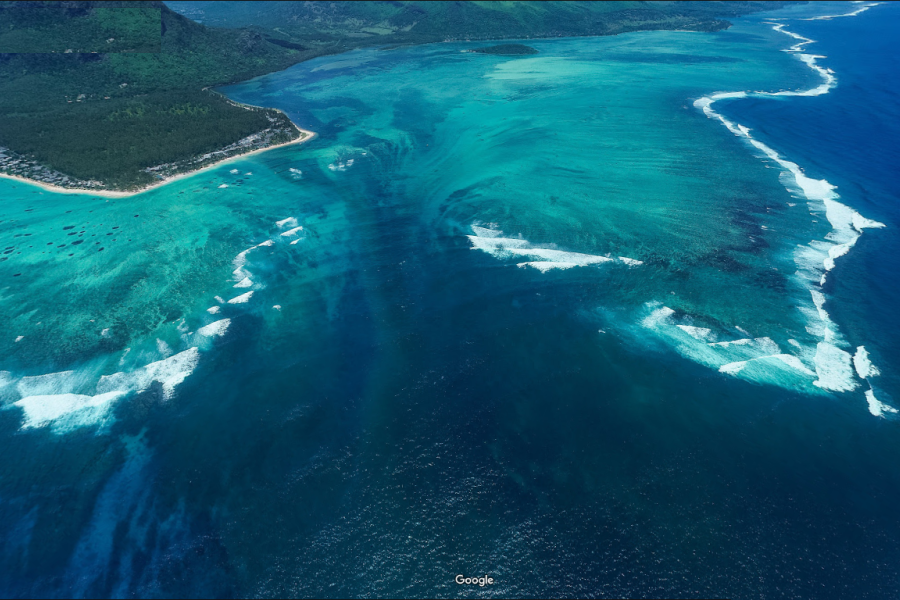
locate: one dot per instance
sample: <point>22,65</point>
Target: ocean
<point>612,320</point>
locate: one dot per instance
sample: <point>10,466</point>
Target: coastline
<point>307,136</point>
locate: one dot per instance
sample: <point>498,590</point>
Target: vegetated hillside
<point>79,27</point>
<point>358,23</point>
<point>107,116</point>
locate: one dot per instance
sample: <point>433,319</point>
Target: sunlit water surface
<point>540,318</point>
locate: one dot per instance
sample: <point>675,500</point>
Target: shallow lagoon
<point>415,407</point>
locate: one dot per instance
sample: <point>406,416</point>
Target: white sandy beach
<point>308,135</point>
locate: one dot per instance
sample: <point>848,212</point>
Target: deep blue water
<point>850,137</point>
<point>414,408</point>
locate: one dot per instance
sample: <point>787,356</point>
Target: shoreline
<point>308,135</point>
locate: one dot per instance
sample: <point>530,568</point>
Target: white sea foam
<point>759,346</point>
<point>19,338</point>
<point>543,267</point>
<point>754,359</point>
<point>658,316</point>
<point>484,232</point>
<point>847,223</point>
<point>243,298</point>
<point>847,226</point>
<point>293,231</point>
<point>497,246</point>
<point>234,171</point>
<point>217,328</point>
<point>241,259</point>
<point>558,256</point>
<point>66,411</point>
<point>163,348</point>
<point>794,362</point>
<point>698,333</point>
<point>782,370</point>
<point>780,27</point>
<point>170,372</point>
<point>7,389</point>
<point>864,366</point>
<point>541,258</point>
<point>213,310</point>
<point>289,222</point>
<point>738,350</point>
<point>223,186</point>
<point>819,322</point>
<point>878,408</point>
<point>833,369</point>
<point>340,166</point>
<point>244,283</point>
<point>864,8</point>
<point>62,382</point>
<point>277,307</point>
<point>733,368</point>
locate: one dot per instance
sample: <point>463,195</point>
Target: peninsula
<point>138,115</point>
<point>116,96</point>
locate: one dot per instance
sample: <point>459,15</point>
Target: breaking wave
<point>833,366</point>
<point>85,397</point>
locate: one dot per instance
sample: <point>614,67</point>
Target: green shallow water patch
<point>574,148</point>
<point>89,276</point>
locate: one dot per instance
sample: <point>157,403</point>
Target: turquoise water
<point>540,318</point>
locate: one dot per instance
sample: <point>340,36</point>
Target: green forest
<point>79,27</point>
<point>113,141</point>
<point>107,116</point>
<point>103,90</point>
<point>349,23</point>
